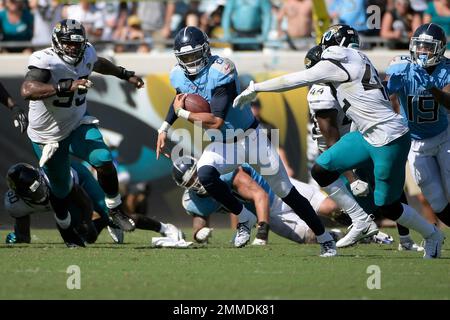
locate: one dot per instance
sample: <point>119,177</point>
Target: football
<point>195,103</point>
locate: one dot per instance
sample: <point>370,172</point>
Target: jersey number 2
<point>66,102</point>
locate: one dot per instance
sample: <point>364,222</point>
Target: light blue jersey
<point>426,118</point>
<point>205,205</point>
<point>218,72</point>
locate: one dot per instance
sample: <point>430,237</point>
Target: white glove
<point>203,234</point>
<point>246,96</point>
<point>47,152</point>
<point>360,188</point>
<point>165,242</point>
<point>89,84</point>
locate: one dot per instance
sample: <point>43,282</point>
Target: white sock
<point>412,220</point>
<point>339,193</point>
<point>324,237</point>
<point>163,228</point>
<point>112,203</point>
<point>245,216</point>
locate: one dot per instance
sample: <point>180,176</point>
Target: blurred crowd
<point>141,26</point>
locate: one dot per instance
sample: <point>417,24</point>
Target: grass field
<point>282,270</point>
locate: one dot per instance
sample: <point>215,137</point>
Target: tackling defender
<point>422,87</point>
<point>29,193</point>
<point>215,79</point>
<point>255,194</point>
<point>381,137</point>
<point>56,85</point>
<point>330,124</point>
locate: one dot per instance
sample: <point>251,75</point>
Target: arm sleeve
<point>171,117</point>
<point>222,99</point>
<point>324,71</point>
<point>36,74</point>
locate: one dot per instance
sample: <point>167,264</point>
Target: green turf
<point>282,270</point>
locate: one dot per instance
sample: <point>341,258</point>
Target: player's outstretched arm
<point>106,67</point>
<point>248,189</point>
<point>323,71</point>
<point>442,96</point>
<point>22,229</point>
<point>19,113</point>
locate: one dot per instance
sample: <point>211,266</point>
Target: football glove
<point>246,96</point>
<point>11,238</point>
<point>20,118</point>
<point>203,234</point>
<point>360,188</point>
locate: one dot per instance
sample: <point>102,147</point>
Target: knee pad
<point>323,176</point>
<point>207,175</point>
<point>100,157</point>
<point>392,211</point>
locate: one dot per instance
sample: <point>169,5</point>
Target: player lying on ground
<point>56,85</point>
<point>29,193</point>
<point>215,79</point>
<point>422,86</point>
<point>253,192</point>
<point>330,124</point>
<point>381,137</point>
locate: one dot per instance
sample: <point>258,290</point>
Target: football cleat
<point>242,236</point>
<point>259,242</point>
<point>360,229</point>
<point>122,220</point>
<point>328,249</point>
<point>173,232</point>
<point>433,245</point>
<point>408,244</point>
<point>116,233</point>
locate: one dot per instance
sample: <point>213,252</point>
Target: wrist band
<point>181,113</point>
<point>164,127</point>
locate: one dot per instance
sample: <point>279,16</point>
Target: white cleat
<point>433,245</point>
<point>409,245</point>
<point>328,249</point>
<point>242,236</point>
<point>259,242</point>
<point>116,234</point>
<point>359,230</point>
<point>173,232</point>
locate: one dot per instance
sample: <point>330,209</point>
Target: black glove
<point>125,74</point>
<point>20,118</point>
<point>64,85</point>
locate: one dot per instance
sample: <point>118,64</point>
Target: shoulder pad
<point>40,59</point>
<point>176,76</point>
<point>224,65</point>
<point>335,53</point>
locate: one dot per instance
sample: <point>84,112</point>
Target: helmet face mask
<point>69,41</point>
<point>28,183</point>
<point>192,50</point>
<point>427,45</point>
<point>185,175</point>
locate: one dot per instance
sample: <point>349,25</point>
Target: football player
<point>216,80</point>
<point>56,85</point>
<point>254,193</point>
<point>422,86</point>
<point>330,124</point>
<point>29,193</point>
<point>381,137</point>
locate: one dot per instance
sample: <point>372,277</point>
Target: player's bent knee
<point>323,176</point>
<point>100,157</point>
<point>207,175</point>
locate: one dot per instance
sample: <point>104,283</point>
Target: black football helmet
<point>27,183</point>
<point>427,45</point>
<point>69,40</point>
<point>340,35</point>
<point>184,173</point>
<point>191,47</point>
<point>313,56</point>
